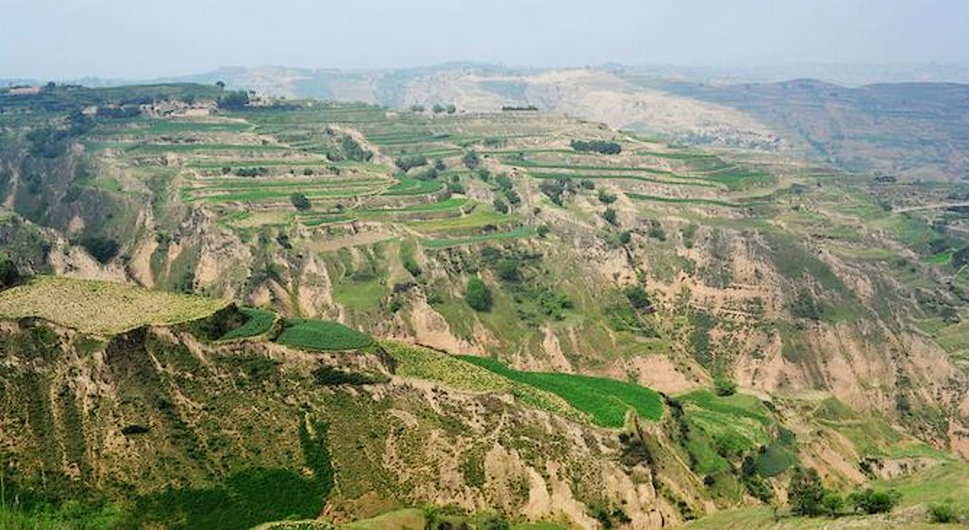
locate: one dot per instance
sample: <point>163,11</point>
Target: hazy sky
<point>58,39</point>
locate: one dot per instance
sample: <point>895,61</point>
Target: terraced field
<point>606,401</point>
<point>341,159</point>
<point>80,304</point>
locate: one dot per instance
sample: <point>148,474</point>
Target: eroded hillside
<point>832,297</point>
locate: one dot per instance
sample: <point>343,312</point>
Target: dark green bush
<point>478,295</point>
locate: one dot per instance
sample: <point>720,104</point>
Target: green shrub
<point>471,160</point>
<point>9,274</point>
<point>723,386</point>
<point>329,376</point>
<point>507,270</point>
<point>300,201</point>
<point>871,501</point>
<point>832,503</point>
<point>805,492</point>
<point>943,512</point>
<point>478,295</point>
<point>610,216</point>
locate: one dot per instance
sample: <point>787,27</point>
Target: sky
<point>144,39</point>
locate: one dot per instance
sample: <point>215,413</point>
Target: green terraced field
<point>606,401</point>
<point>322,335</point>
<point>258,322</point>
<point>518,233</point>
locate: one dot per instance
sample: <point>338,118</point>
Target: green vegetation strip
<point>685,181</point>
<point>424,363</point>
<point>606,401</point>
<point>258,322</point>
<point>523,232</point>
<point>408,186</point>
<point>322,335</point>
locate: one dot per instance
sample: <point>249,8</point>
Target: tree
<point>9,275</point>
<point>513,197</point>
<point>637,297</point>
<point>220,84</point>
<point>417,108</point>
<point>832,502</point>
<point>542,230</point>
<point>625,237</point>
<point>300,201</point>
<point>406,163</point>
<point>471,160</point>
<point>478,295</point>
<point>610,216</point>
<point>234,100</point>
<point>438,108</point>
<point>500,205</point>
<point>508,270</point>
<point>451,109</point>
<point>723,386</point>
<point>806,492</point>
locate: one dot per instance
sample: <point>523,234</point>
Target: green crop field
<point>606,401</point>
<point>424,363</point>
<point>322,335</point>
<point>258,322</point>
<point>80,304</point>
<point>518,233</point>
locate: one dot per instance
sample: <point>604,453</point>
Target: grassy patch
<point>258,322</point>
<point>102,307</point>
<point>322,335</point>
<point>606,401</point>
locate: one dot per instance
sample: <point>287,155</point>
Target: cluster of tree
<point>406,163</point>
<point>808,497</point>
<point>119,112</point>
<point>596,146</point>
<point>353,150</point>
<point>300,201</point>
<point>514,108</point>
<point>104,249</point>
<point>556,189</point>
<point>9,274</point>
<point>259,171</point>
<point>234,100</point>
<point>505,187</point>
<point>52,142</point>
<point>449,108</point>
<point>638,298</point>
